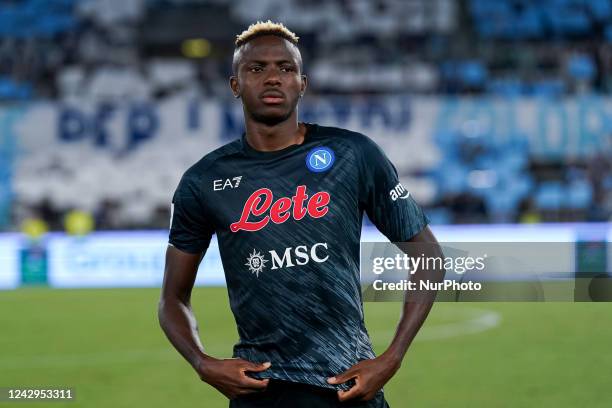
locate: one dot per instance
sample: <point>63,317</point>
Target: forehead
<point>269,47</point>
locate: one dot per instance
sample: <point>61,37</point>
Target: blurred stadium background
<point>497,115</point>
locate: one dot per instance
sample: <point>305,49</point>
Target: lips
<point>272,97</point>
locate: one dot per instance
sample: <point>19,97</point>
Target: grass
<point>106,344</point>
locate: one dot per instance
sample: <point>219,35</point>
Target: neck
<point>267,138</point>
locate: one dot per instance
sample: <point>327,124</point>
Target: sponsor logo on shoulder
<point>222,184</point>
<point>399,192</point>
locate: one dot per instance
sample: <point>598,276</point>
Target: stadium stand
<point>106,57</point>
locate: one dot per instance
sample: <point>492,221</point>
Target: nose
<point>273,77</point>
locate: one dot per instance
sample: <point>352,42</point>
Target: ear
<point>233,83</point>
<point>304,85</point>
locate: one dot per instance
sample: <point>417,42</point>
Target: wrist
<point>201,365</point>
<point>392,359</point>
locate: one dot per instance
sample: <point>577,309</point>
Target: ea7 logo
<point>399,192</point>
<point>222,184</point>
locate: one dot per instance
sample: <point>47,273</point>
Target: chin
<point>271,118</point>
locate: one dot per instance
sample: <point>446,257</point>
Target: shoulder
<point>361,145</point>
<point>200,169</point>
<point>347,138</point>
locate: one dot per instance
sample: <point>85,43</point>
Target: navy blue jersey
<point>288,224</point>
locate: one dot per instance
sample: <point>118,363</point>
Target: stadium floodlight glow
<point>196,48</point>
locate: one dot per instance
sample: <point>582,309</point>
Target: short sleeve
<point>388,204</point>
<point>191,228</point>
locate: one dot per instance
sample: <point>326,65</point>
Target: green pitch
<point>107,345</point>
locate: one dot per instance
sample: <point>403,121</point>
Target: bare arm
<point>178,322</point>
<point>415,312</point>
<point>371,375</point>
<point>175,314</point>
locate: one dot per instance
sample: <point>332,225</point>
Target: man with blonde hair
<point>286,201</point>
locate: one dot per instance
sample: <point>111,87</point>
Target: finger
<point>368,397</point>
<point>247,391</point>
<point>244,391</point>
<point>354,392</point>
<point>252,383</point>
<point>257,367</point>
<point>344,377</point>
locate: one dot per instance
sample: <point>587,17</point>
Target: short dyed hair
<point>260,29</point>
<point>266,28</point>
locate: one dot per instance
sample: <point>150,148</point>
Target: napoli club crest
<point>320,159</point>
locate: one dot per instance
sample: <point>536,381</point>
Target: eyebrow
<point>279,62</point>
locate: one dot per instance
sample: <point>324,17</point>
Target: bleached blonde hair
<point>262,28</point>
<point>266,28</point>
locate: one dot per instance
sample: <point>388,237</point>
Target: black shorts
<point>281,394</point>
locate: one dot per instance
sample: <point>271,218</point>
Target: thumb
<point>258,367</point>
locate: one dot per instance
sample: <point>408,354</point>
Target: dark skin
<point>176,318</point>
<point>270,65</point>
<point>269,81</point>
<point>371,375</point>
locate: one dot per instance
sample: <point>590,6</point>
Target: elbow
<point>161,312</point>
<point>168,308</point>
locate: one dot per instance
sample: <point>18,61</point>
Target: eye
<point>256,68</point>
<point>287,68</point>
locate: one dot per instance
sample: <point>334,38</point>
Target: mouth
<point>272,98</point>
